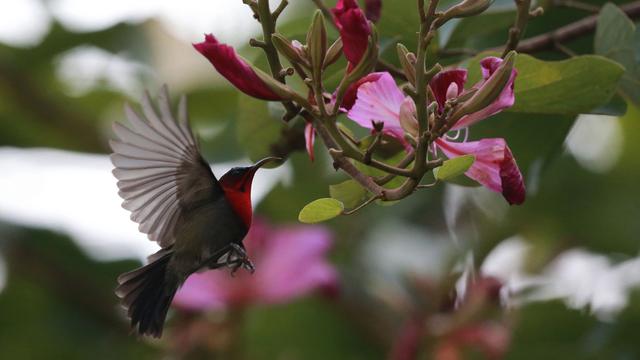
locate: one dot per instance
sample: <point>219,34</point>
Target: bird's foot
<point>238,258</point>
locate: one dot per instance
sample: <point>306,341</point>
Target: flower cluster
<point>375,101</point>
<point>379,99</point>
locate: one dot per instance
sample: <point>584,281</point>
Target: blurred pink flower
<point>492,339</point>
<point>290,262</point>
<point>381,100</point>
<point>234,68</point>
<point>354,29</point>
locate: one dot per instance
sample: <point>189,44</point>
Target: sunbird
<point>198,221</point>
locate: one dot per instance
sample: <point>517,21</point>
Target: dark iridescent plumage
<point>178,202</point>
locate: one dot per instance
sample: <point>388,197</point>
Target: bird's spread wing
<point>161,174</point>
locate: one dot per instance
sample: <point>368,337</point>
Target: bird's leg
<point>241,260</point>
<point>236,258</point>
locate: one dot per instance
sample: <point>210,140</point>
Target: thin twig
<point>570,32</point>
<point>565,50</point>
<point>325,10</point>
<point>372,148</point>
<point>268,22</point>
<point>578,5</point>
<point>426,186</point>
<point>361,206</point>
<point>517,31</point>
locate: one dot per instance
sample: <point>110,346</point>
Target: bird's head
<point>237,186</point>
<point>239,179</point>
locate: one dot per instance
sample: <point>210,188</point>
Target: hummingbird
<point>198,221</point>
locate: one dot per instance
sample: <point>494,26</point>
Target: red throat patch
<point>241,203</point>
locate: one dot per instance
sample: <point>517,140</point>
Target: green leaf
<point>349,192</point>
<point>320,210</point>
<point>574,86</point>
<point>257,128</point>
<point>616,39</point>
<point>454,167</point>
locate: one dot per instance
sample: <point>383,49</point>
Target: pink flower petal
<point>201,291</point>
<point>494,166</point>
<point>354,29</point>
<point>350,95</point>
<point>295,264</point>
<point>505,100</point>
<point>443,80</point>
<point>310,138</point>
<point>379,101</point>
<point>225,59</point>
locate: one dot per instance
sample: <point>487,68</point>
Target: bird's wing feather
<point>161,174</point>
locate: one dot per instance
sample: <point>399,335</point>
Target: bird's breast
<point>240,202</point>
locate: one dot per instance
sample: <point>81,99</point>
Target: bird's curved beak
<point>264,161</point>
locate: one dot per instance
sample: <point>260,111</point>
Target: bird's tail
<point>147,293</point>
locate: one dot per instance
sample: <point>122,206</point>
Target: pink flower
<point>505,100</point>
<point>451,82</point>
<point>354,29</point>
<point>373,8</point>
<point>380,100</point>
<point>234,68</point>
<point>352,91</point>
<point>290,262</point>
<point>495,167</point>
<point>491,339</point>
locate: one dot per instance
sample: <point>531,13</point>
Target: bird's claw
<point>240,260</point>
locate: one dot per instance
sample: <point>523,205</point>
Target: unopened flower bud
<point>408,119</point>
<point>465,9</point>
<point>282,90</point>
<point>317,43</point>
<point>452,91</point>
<point>333,54</point>
<point>490,90</point>
<point>368,60</point>
<point>294,53</point>
<point>408,61</point>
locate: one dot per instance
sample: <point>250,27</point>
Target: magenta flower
<point>350,95</point>
<point>505,100</point>
<point>290,262</point>
<point>234,68</point>
<point>494,166</point>
<point>381,100</point>
<point>354,29</point>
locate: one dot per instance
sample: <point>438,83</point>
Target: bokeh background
<point>567,259</point>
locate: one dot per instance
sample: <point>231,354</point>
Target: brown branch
<point>517,31</point>
<point>570,32</point>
